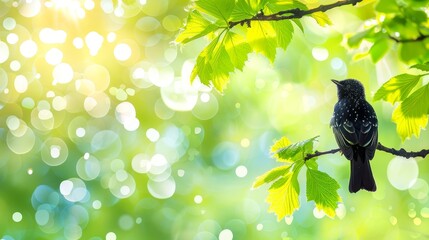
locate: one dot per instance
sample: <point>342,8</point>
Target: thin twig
<point>401,152</point>
<point>317,153</point>
<point>418,39</point>
<point>291,13</point>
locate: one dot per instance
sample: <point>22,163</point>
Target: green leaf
<point>412,114</point>
<point>196,26</point>
<point>262,37</point>
<point>283,196</point>
<point>279,145</point>
<point>387,6</point>
<point>322,189</point>
<point>242,10</point>
<point>237,49</point>
<point>296,151</point>
<point>311,163</point>
<point>397,88</point>
<point>356,39</point>
<point>271,175</point>
<point>412,51</point>
<point>379,49</point>
<point>423,67</point>
<point>214,64</point>
<point>416,16</point>
<point>221,66</point>
<point>321,18</point>
<point>284,30</point>
<point>220,9</point>
<point>203,68</point>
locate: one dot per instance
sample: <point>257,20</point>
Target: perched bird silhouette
<point>355,128</point>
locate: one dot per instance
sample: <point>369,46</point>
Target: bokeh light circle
<point>106,144</point>
<point>419,190</point>
<point>54,151</point>
<point>141,163</point>
<point>122,52</point>
<point>63,73</point>
<point>21,140</point>
<point>4,52</point>
<point>207,107</point>
<point>73,189</point>
<point>122,184</point>
<point>225,155</point>
<point>162,190</point>
<point>54,56</point>
<point>97,105</point>
<point>402,173</point>
<point>180,95</point>
<point>88,168</point>
<point>28,48</point>
<point>30,9</point>
<point>99,75</point>
<point>226,234</point>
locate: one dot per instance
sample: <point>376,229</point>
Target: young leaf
<point>379,49</point>
<point>321,18</point>
<point>271,175</point>
<point>356,39</point>
<point>283,196</point>
<point>221,67</point>
<point>237,49</point>
<point>423,67</point>
<point>196,26</point>
<point>397,88</point>
<point>412,51</point>
<point>242,10</point>
<point>203,67</point>
<point>296,151</point>
<point>322,189</point>
<point>284,30</point>
<point>263,39</point>
<point>220,9</point>
<point>386,6</point>
<point>214,64</point>
<point>412,114</point>
<point>278,145</point>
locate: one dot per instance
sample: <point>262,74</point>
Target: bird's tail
<point>361,174</point>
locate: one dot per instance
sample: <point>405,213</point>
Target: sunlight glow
<point>70,8</point>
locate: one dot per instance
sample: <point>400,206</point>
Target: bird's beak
<point>338,83</point>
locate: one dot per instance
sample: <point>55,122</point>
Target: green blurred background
<point>103,136</point>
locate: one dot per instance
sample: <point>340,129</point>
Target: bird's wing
<point>345,147</point>
<point>368,134</point>
<point>368,138</point>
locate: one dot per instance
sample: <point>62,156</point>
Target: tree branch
<point>401,152</point>
<point>292,13</point>
<point>418,39</point>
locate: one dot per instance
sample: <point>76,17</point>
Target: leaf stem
<point>401,152</point>
<point>291,13</point>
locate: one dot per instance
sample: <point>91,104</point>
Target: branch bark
<point>418,39</point>
<point>401,152</point>
<point>292,13</point>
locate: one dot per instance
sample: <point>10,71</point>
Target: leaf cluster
<point>412,112</point>
<point>230,45</point>
<point>400,21</point>
<point>283,194</point>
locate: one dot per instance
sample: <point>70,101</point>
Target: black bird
<point>355,128</point>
